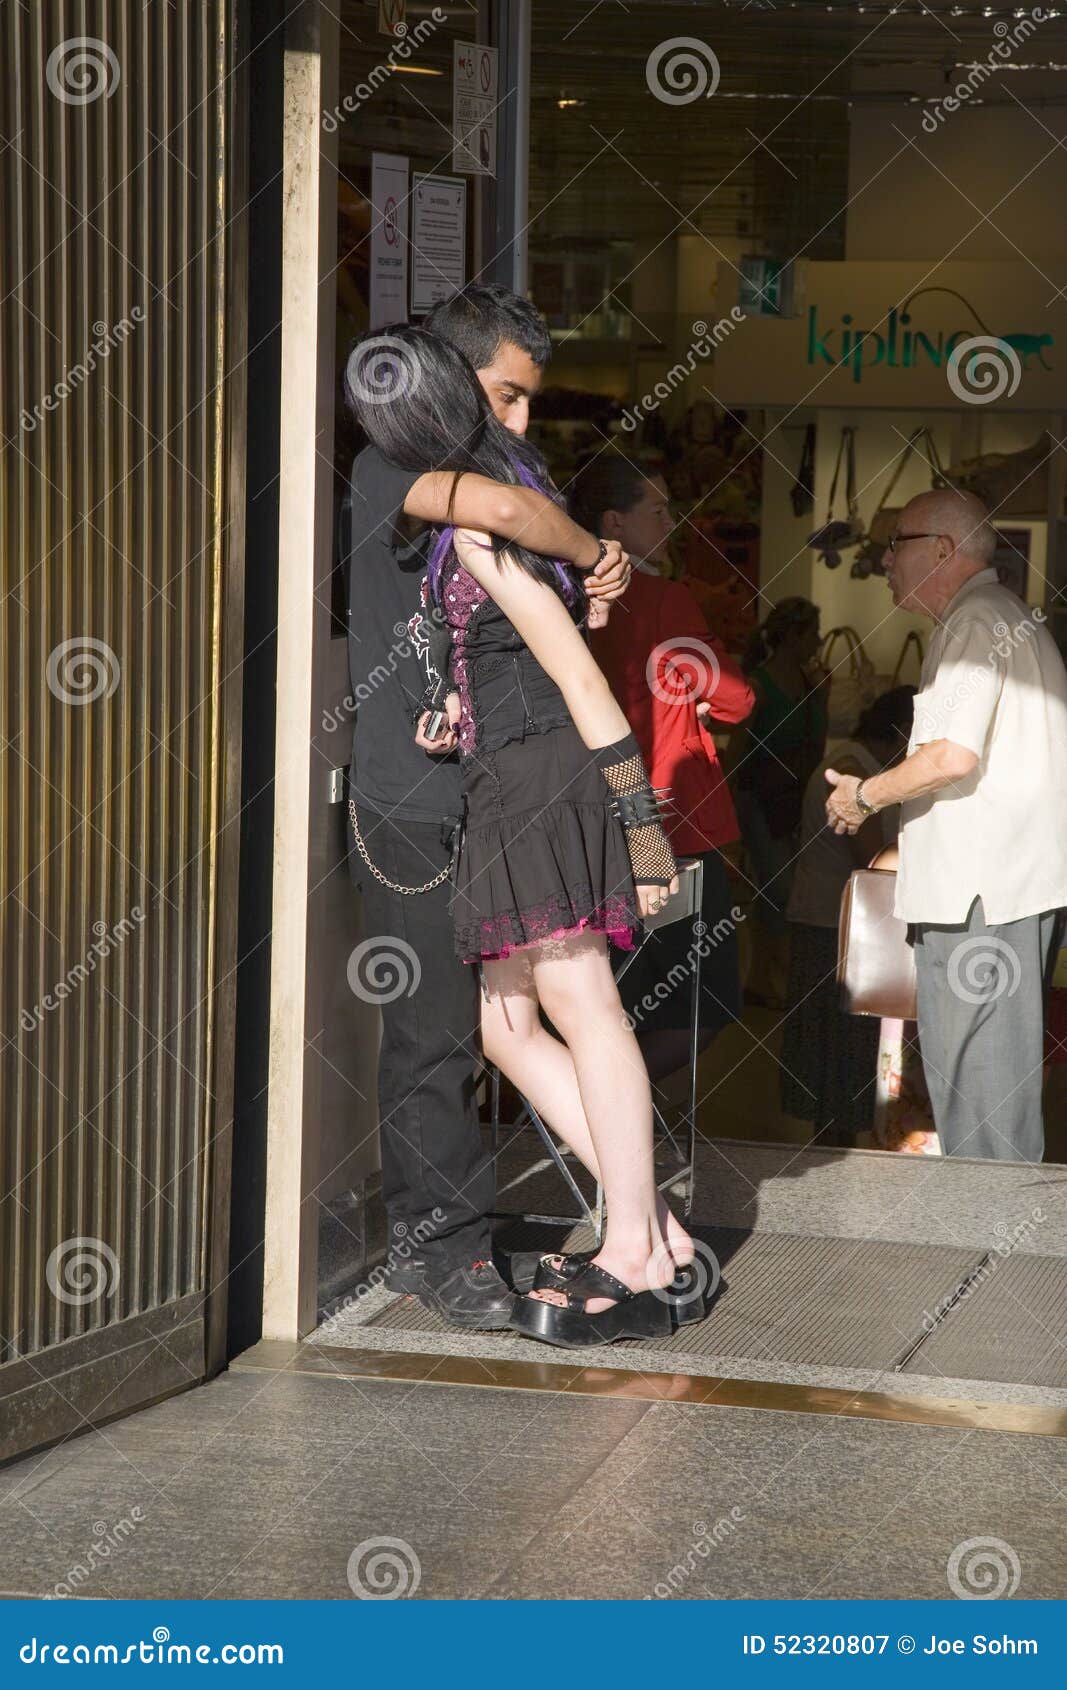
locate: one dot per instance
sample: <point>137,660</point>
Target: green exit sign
<point>766,287</point>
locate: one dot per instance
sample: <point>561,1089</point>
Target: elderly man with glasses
<point>983,837</point>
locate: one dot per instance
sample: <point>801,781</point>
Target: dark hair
<point>481,317</point>
<point>889,717</point>
<point>608,482</point>
<point>787,617</point>
<point>420,403</point>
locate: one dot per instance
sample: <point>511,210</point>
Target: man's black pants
<point>431,1147</point>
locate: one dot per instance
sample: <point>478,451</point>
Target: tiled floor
<point>264,1485</point>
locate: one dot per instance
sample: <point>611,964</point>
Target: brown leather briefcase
<point>875,963</point>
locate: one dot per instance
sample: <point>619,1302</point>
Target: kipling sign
<point>897,345</point>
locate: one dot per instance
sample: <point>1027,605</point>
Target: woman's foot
<point>675,1243</point>
<point>638,1270</point>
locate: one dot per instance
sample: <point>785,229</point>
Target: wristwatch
<point>862,803</point>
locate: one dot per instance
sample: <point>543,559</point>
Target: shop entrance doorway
<point>368,122</point>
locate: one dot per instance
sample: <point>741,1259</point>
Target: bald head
<point>962,517</point>
<point>942,539</point>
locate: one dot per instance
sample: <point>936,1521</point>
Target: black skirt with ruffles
<point>541,854</point>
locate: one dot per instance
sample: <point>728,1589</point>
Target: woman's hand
<point>651,899</point>
<point>597,614</point>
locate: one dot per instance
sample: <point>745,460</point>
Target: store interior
<point>702,260</point>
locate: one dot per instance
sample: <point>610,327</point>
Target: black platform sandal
<point>633,1314</point>
<point>684,1296</point>
<point>550,1277</point>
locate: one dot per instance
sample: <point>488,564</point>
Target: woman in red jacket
<point>673,678</point>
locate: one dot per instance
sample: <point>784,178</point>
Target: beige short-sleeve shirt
<point>993,681</point>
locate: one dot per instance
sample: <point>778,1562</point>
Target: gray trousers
<point>981,992</point>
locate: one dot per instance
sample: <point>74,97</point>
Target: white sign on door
<point>388,240</point>
<point>438,239</point>
<point>474,103</point>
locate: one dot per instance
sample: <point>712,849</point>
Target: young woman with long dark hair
<point>562,847</point>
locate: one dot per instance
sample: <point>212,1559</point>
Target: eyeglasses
<point>898,539</point>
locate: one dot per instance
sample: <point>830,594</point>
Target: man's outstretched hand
<point>843,814</point>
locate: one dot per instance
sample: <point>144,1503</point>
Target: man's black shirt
<point>387,653</point>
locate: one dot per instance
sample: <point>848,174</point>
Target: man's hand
<point>446,740</point>
<point>611,576</point>
<point>843,814</point>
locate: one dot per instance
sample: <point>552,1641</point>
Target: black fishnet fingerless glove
<point>637,808</point>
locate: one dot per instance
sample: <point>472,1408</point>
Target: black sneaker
<point>473,1297</point>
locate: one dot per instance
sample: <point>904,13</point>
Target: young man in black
<point>437,1181</point>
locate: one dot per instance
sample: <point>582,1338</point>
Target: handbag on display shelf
<point>912,642</point>
<point>854,684</point>
<point>875,963</point>
<point>836,534</point>
<point>1010,483</point>
<point>870,559</point>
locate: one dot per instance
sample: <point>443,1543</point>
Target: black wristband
<point>620,752</point>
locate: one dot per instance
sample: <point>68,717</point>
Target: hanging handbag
<point>836,534</point>
<point>853,683</point>
<point>802,493</point>
<point>875,963</point>
<point>870,559</point>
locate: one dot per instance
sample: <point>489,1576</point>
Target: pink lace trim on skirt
<point>623,937</point>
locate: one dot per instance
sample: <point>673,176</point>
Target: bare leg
<point>539,1065</point>
<point>542,1068</point>
<point>574,984</point>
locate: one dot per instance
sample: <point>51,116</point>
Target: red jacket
<point>661,661</point>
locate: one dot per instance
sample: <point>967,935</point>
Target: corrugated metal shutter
<point>112,338</point>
